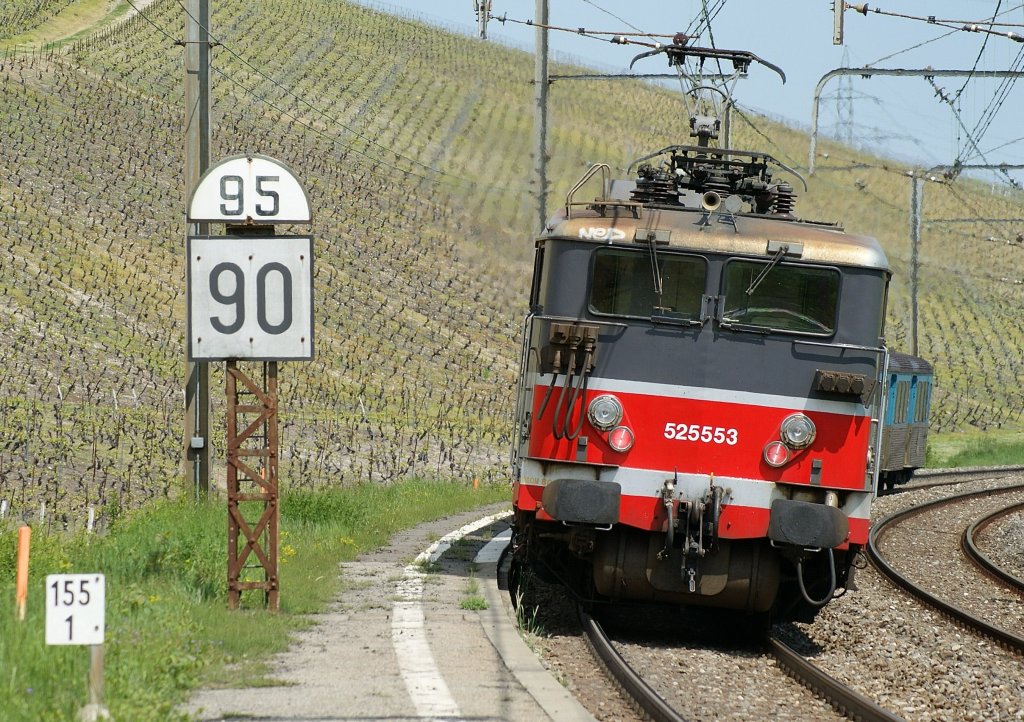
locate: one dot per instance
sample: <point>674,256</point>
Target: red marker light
<point>620,439</point>
<point>776,454</point>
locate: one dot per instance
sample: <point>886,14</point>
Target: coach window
<point>899,415</point>
<point>793,299</point>
<point>924,390</point>
<point>625,283</point>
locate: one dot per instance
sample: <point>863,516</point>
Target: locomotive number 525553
<point>702,434</point>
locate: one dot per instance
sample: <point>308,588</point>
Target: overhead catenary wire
<point>865,8</point>
<point>287,91</point>
<point>988,115</point>
<point>971,207</point>
<point>912,47</point>
<point>618,37</point>
<point>149,20</point>
<point>981,52</point>
<point>612,15</point>
<point>954,31</point>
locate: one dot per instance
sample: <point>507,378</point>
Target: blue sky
<point>898,117</point>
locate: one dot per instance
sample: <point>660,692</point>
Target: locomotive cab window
<point>626,283</point>
<point>788,298</point>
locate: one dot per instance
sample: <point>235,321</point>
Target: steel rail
<point>968,471</point>
<point>969,545</point>
<point>649,701</point>
<point>951,476</point>
<point>845,699</point>
<point>1008,639</point>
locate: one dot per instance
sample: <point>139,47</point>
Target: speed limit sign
<point>250,298</point>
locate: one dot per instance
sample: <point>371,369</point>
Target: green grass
<point>473,601</point>
<point>990,448</point>
<point>168,626</point>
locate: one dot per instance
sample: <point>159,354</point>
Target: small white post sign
<point>75,609</point>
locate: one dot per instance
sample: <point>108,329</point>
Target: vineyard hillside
<point>414,146</point>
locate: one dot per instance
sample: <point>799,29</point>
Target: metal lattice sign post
<point>251,299</point>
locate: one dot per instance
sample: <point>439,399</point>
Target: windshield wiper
<point>655,269</point>
<point>783,250</point>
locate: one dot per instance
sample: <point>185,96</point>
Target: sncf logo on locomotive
<point>602,234</point>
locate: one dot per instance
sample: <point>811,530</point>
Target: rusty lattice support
<point>252,451</point>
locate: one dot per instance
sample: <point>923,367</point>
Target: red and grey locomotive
<point>700,390</point>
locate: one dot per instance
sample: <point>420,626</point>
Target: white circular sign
<point>249,189</point>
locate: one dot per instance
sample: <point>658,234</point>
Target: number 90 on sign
<point>250,298</point>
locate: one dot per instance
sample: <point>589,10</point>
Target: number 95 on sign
<point>250,298</point>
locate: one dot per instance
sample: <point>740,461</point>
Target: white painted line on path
<point>430,695</point>
<point>491,552</point>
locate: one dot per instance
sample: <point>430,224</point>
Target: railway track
<point>966,618</point>
<point>969,544</point>
<point>844,699</point>
<point>660,674</point>
<point>632,684</point>
<point>933,478</point>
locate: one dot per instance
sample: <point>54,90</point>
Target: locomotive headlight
<point>776,454</point>
<point>605,412</point>
<point>797,431</point>
<point>621,439</point>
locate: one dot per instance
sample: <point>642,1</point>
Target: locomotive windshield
<point>627,283</point>
<point>795,299</point>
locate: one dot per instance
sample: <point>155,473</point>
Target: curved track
<point>932,478</point>
<point>845,699</point>
<point>632,684</point>
<point>1005,637</point>
<point>969,544</point>
<point>840,696</point>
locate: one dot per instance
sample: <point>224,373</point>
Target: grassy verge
<point>167,621</point>
<point>977,448</point>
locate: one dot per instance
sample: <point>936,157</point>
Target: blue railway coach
<point>905,429</point>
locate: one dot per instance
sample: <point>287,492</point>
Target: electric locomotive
<point>701,388</point>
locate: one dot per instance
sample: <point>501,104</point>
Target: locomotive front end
<point>699,398</point>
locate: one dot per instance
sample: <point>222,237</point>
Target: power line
<point>149,20</point>
<point>988,115</point>
<point>779,151</point>
<point>981,51</point>
<point>336,121</point>
<point>612,15</point>
<point>912,47</point>
<point>864,9</point>
<point>1003,145</point>
<point>970,206</point>
<point>869,72</point>
<point>618,37</point>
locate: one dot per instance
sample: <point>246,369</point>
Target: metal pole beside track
<point>540,117</point>
<point>916,188</point>
<point>196,465</point>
